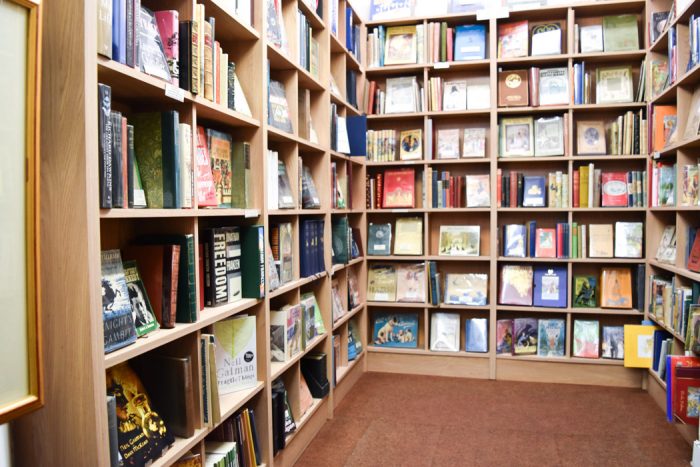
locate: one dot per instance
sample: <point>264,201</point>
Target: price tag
<point>441,65</point>
<point>174,92</point>
<point>248,213</point>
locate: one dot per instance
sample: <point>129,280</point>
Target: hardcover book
<point>549,136</point>
<point>399,189</point>
<point>395,330</point>
<point>613,85</point>
<point>546,38</point>
<point>613,189</point>
<point>379,239</point>
<point>401,95</point>
<point>285,198</point>
<point>551,337</point>
<point>545,246</point>
<point>638,345</point>
<point>515,287</point>
<point>591,38</point>
<point>534,191</point>
<point>550,286</point>
<point>554,86</point>
<point>219,145</point>
<point>629,237</point>
<point>600,240</point>
<point>144,319</point>
<point>409,236</point>
<point>444,332</point>
<point>150,46</point>
<point>616,288</point>
<point>478,96</point>
<point>286,253</point>
<point>514,240</point>
<point>278,108</point>
<point>253,261</point>
<point>411,145</point>
<point>477,335</point>
<point>206,189</point>
<point>620,33</point>
<point>286,330</point>
<point>117,315</point>
<point>168,28</point>
<point>586,339</point>
<point>470,42</point>
<point>525,336</point>
<point>513,88</point>
<point>236,361</point>
<point>400,45</point>
<point>381,283</point>
<point>448,144</point>
<point>517,137</point>
<point>590,138</point>
<point>466,289</point>
<point>410,283</point>
<point>513,39</point>
<point>459,240</point>
<point>613,343</point>
<point>337,306</point>
<point>474,142</point>
<point>478,191</point>
<point>504,336</point>
<point>585,292</point>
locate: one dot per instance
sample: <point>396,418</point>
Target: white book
<point>547,43</point>
<point>240,103</point>
<point>454,95</point>
<point>591,38</point>
<point>400,95</point>
<point>444,332</point>
<point>478,96</point>
<point>342,136</point>
<point>236,353</point>
<point>186,172</point>
<point>629,237</point>
<point>554,86</point>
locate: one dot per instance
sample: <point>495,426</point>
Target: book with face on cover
<point>400,45</point>
<point>409,236</point>
<point>410,282</point>
<point>444,332</point>
<point>118,320</point>
<point>551,337</point>
<point>586,339</point>
<point>459,240</point>
<point>411,145</point>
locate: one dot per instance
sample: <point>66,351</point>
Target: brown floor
<point>401,420</point>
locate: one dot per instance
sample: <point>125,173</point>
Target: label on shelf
<point>441,65</point>
<point>175,92</point>
<point>250,213</point>
<point>399,210</point>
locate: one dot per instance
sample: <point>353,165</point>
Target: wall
<point>5,446</point>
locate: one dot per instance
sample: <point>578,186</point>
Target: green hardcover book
<point>144,319</point>
<point>340,240</point>
<point>443,42</point>
<point>253,261</point>
<point>240,195</point>
<point>155,136</point>
<point>620,33</point>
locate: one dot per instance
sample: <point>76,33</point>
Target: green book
<point>240,195</point>
<point>340,240</point>
<point>155,137</point>
<point>443,42</point>
<point>144,319</point>
<point>253,261</point>
<point>620,33</point>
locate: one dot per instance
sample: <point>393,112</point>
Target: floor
<point>401,420</point>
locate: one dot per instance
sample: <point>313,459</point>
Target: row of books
<point>400,95</point>
<point>452,143</point>
<point>352,34</point>
<point>292,327</point>
<point>533,87</point>
<point>457,191</point>
<point>609,34</point>
<point>528,137</point>
<point>458,94</point>
<point>573,240</point>
<point>234,443</point>
<point>673,304</point>
<point>547,338</point>
<point>667,249</point>
<point>391,189</point>
<point>515,189</point>
<point>593,188</point>
<point>344,241</point>
<point>612,84</point>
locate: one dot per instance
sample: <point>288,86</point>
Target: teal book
<point>253,261</point>
<point>551,336</point>
<point>340,239</point>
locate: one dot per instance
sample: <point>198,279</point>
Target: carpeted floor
<point>401,420</point>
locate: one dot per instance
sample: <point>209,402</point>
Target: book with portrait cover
<point>590,137</point>
<point>550,286</point>
<point>117,318</point>
<point>613,343</point>
<point>551,338</point>
<point>144,319</point>
<point>399,189</point>
<point>395,330</point>
<point>525,332</point>
<point>515,287</point>
<point>586,339</point>
<point>219,145</point>
<point>504,336</point>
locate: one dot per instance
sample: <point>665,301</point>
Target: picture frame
<point>21,361</point>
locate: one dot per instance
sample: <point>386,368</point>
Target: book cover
<point>241,196</point>
<point>285,198</point>
<point>590,138</point>
<point>614,189</point>
<point>613,344</point>
<point>219,146</point>
<point>554,86</point>
<point>399,188</point>
<point>473,142</point>
<point>454,95</point>
<point>470,42</point>
<point>233,263</point>
<point>168,28</point>
<point>236,353</point>
<point>401,95</point>
<point>152,57</point>
<point>253,261</point>
<point>515,287</point>
<point>444,332</point>
<point>516,137</point>
<point>338,308</point>
<point>353,290</point>
<point>513,39</point>
<point>215,267</point>
<point>616,288</point>
<point>379,239</point>
<point>400,45</point>
<point>513,88</point>
<point>479,95</point>
<point>534,191</point>
<point>545,246</point>
<point>549,136</point>
<point>466,289</point>
<point>340,240</point>
<point>614,85</point>
<point>600,238</point>
<point>459,240</point>
<point>638,345</point>
<point>144,319</point>
<point>395,330</point>
<point>286,252</point>
<point>476,333</point>
<point>411,145</point>
<point>410,283</point>
<point>591,38</point>
<point>278,115</point>
<point>504,336</point>
<point>409,236</point>
<point>620,33</point>
<point>585,292</point>
<point>381,283</point>
<point>629,237</point>
<point>550,286</point>
<point>117,314</point>
<point>586,339</point>
<point>448,144</point>
<point>514,240</point>
<point>525,336</point>
<point>693,263</point>
<point>546,38</point>
<point>206,189</point>
<point>478,191</point>
<point>308,314</point>
<point>551,337</point>
<point>390,9</point>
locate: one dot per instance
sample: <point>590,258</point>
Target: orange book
<point>660,133</point>
<point>616,288</point>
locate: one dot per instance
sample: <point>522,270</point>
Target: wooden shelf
<point>312,17</point>
<point>529,109</point>
<point>399,350</point>
<point>304,418</point>
<point>229,28</point>
<point>457,258</point>
<point>407,305</point>
<point>342,371</point>
<point>277,368</point>
<point>348,316</point>
<point>232,402</point>
<point>295,284</point>
<point>693,276</point>
<point>533,60</point>
<point>179,448</point>
<point>585,361</point>
<point>573,311</point>
<point>604,57</point>
<point>667,328</point>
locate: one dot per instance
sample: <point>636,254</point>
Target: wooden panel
<point>570,373</point>
<point>431,365</point>
<point>302,437</point>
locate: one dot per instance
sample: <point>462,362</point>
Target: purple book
<point>550,286</point>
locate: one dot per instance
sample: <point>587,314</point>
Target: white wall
<point>5,446</point>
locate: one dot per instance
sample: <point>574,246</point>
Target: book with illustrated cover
<point>591,38</point>
<point>381,283</point>
<point>613,343</point>
<point>144,318</point>
<point>379,239</point>
<point>310,301</point>
<point>466,289</point>
<point>142,433</point>
<point>336,301</point>
<point>286,253</point>
<point>513,88</point>
<point>395,330</point>
<point>285,198</point>
<point>409,236</point>
<point>459,240</point>
<point>692,125</point>
<point>590,138</point>
<point>236,351</point>
<point>278,108</point>
<point>513,39</point>
<point>546,38</point>
<point>401,95</point>
<point>613,189</point>
<point>282,334</point>
<point>478,191</point>
<point>659,76</point>
<point>400,45</point>
<point>470,40</point>
<point>117,315</point>
<point>600,240</point>
<point>515,287</point>
<point>477,335</point>
<point>517,138</point>
<point>614,85</point>
<point>309,194</point>
<point>410,283</point>
<point>206,188</point>
<point>554,86</point>
<point>629,237</point>
<point>152,58</point>
<point>525,332</point>
<point>585,292</point>
<point>550,286</point>
<point>689,185</point>
<point>551,337</point>
<point>616,288</point>
<point>411,145</point>
<point>399,188</point>
<point>276,33</point>
<point>549,136</point>
<point>545,243</point>
<point>666,252</point>
<point>586,339</point>
<point>474,142</point>
<point>454,95</point>
<point>353,290</point>
<point>444,332</point>
<point>514,240</point>
<point>448,144</point>
<point>620,33</point>
<point>504,336</point>
<point>219,145</point>
<point>308,313</point>
<point>534,191</point>
<point>273,278</point>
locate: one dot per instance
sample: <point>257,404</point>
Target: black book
<point>520,190</point>
<point>215,281</point>
<point>506,191</point>
<point>185,54</point>
<point>231,85</point>
<point>313,368</point>
<point>112,429</point>
<point>638,286</point>
<point>130,157</point>
<point>256,441</point>
<point>117,162</point>
<point>105,144</point>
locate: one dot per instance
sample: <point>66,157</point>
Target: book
<point>516,135</point>
<point>409,236</point>
<point>286,332</point>
<point>473,143</point>
<point>206,189</point>
<point>616,288</point>
<point>220,148</point>
<point>168,28</point>
<point>454,95</point>
<point>105,143</point>
<point>151,53</point>
<point>525,332</point>
<point>614,189</point>
<point>141,431</point>
<point>629,237</point>
<point>545,244</point>
<point>514,240</point>
<point>378,239</point>
<point>309,194</point>
<point>411,145</point>
<point>591,38</point>
<point>478,191</point>
<point>448,144</point>
<point>400,95</point>
<point>476,334</point>
<point>513,88</point>
<point>586,338</point>
<point>549,136</point>
<point>515,286</point>
<point>513,39</point>
<point>395,330</point>
<point>400,45</point>
<point>666,252</point>
<point>470,42</point>
<point>410,282</point>
<point>390,9</point>
<point>638,345</point>
<point>620,33</point>
<point>546,38</point>
<point>613,343</point>
<point>278,108</point>
<point>550,286</point>
<point>585,292</point>
<point>381,283</point>
<point>143,316</point>
<point>399,188</point>
<point>253,261</point>
<point>459,240</point>
<point>285,198</point>
<point>466,289</point>
<point>614,85</point>
<point>551,336</point>
<point>504,336</point>
<point>117,314</point>
<point>600,238</point>
<point>693,262</point>
<point>286,254</point>
<point>590,137</point>
<point>534,191</point>
<point>444,332</point>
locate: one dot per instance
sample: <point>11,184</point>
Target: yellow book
<point>381,283</point>
<point>409,236</point>
<point>401,45</point>
<point>208,62</point>
<point>583,186</point>
<point>639,345</point>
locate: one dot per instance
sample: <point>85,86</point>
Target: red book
<point>125,164</point>
<point>399,188</point>
<point>682,388</point>
<point>372,90</point>
<point>379,193</point>
<point>450,44</point>
<point>676,363</point>
<point>560,240</point>
<point>206,191</point>
<point>513,189</point>
<point>614,189</point>
<point>168,28</point>
<point>544,243</point>
<point>694,256</point>
<point>576,188</point>
<point>499,186</point>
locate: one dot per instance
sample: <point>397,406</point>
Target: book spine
<point>186,172</point>
<point>104,28</point>
<point>184,65</point>
<point>520,195</point>
<point>124,154</point>
<point>117,193</point>
<point>216,285</point>
<point>231,76</point>
<point>119,31</point>
<point>130,43</point>
<point>208,62</point>
<point>131,157</point>
<point>171,166</point>
<point>171,261</point>
<point>105,144</point>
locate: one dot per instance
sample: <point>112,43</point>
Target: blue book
<point>470,42</point>
<point>534,191</point>
<point>550,286</point>
<point>119,31</point>
<point>532,232</point>
<point>357,135</point>
<point>396,330</point>
<point>551,337</point>
<point>477,335</point>
<point>514,238</point>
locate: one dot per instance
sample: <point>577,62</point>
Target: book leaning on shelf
<point>534,87</point>
<point>529,137</point>
<point>400,95</point>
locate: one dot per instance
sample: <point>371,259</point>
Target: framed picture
<point>516,137</point>
<point>20,344</point>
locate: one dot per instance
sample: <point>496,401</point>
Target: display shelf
<point>607,107</point>
<point>579,360</point>
<point>456,258</point>
<point>209,110</point>
<point>450,306</point>
<point>229,27</point>
<point>228,212</point>
<point>354,159</point>
<point>407,305</point>
<point>145,213</point>
<point>232,402</point>
<point>609,209</point>
<point>340,100</point>
<point>295,284</point>
<point>693,276</point>
<point>348,316</point>
<point>529,109</point>
<point>534,60</point>
<point>342,371</point>
<point>277,368</point>
<point>691,143</point>
<point>666,328</point>
<point>397,116</point>
<point>179,448</point>
<point>304,418</point>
